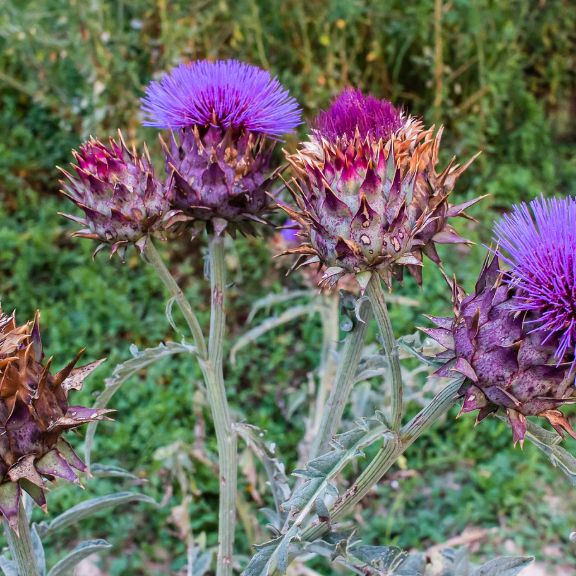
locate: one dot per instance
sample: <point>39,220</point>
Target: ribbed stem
<point>387,456</point>
<point>210,358</point>
<point>155,260</point>
<point>216,391</point>
<point>21,546</point>
<point>347,369</point>
<point>376,296</point>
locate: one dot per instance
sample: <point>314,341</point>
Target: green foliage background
<point>501,76</point>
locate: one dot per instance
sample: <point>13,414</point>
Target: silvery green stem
<point>21,545</point>
<point>155,260</point>
<point>216,391</point>
<point>210,358</point>
<point>377,299</point>
<point>387,456</point>
<point>340,392</point>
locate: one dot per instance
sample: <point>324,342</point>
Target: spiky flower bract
<point>538,242</point>
<point>504,364</point>
<point>34,412</point>
<point>117,190</point>
<point>227,116</point>
<point>368,194</point>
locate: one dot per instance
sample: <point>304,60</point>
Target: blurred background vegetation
<point>501,76</point>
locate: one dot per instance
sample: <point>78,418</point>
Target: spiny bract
<point>368,194</point>
<point>34,412</point>
<point>505,365</point>
<point>121,198</point>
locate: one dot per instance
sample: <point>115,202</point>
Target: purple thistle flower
<point>538,242</point>
<point>223,94</point>
<point>353,110</point>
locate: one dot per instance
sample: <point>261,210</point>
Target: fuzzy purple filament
<point>352,110</point>
<point>538,242</point>
<point>224,94</point>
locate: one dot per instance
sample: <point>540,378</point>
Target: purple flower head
<point>538,242</point>
<point>290,231</point>
<point>353,110</point>
<point>223,94</point>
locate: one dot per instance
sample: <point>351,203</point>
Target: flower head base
<point>227,116</point>
<point>34,412</point>
<point>538,242</point>
<point>370,199</point>
<point>225,94</point>
<point>504,365</point>
<point>121,198</point>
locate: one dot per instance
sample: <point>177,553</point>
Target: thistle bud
<point>119,194</point>
<point>369,197</point>
<point>226,117</point>
<point>505,363</point>
<point>34,412</point>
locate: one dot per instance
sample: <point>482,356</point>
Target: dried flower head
<point>368,194</point>
<point>505,365</point>
<point>538,242</point>
<point>227,116</point>
<point>34,412</point>
<point>121,198</point>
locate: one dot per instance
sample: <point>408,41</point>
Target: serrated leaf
<point>124,371</point>
<point>319,474</point>
<point>8,567</point>
<point>274,467</point>
<point>91,507</point>
<point>83,550</point>
<point>505,566</point>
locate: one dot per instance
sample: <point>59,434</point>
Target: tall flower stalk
<point>225,118</point>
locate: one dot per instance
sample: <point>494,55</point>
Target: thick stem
<point>387,456</point>
<point>216,391</point>
<point>347,368</point>
<point>155,260</point>
<point>21,545</point>
<point>376,296</point>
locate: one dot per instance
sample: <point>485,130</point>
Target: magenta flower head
<point>538,242</point>
<point>118,192</point>
<point>226,116</point>
<point>505,365</point>
<point>369,197</point>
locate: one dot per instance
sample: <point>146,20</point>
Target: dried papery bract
<point>122,200</point>
<point>226,117</point>
<point>34,412</point>
<point>505,364</point>
<point>369,198</point>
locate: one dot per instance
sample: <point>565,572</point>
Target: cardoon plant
<point>369,203</point>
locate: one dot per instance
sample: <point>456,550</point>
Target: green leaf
<point>124,371</point>
<point>83,550</point>
<point>38,548</point>
<point>505,566</point>
<point>8,567</point>
<point>91,507</point>
<point>110,471</point>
